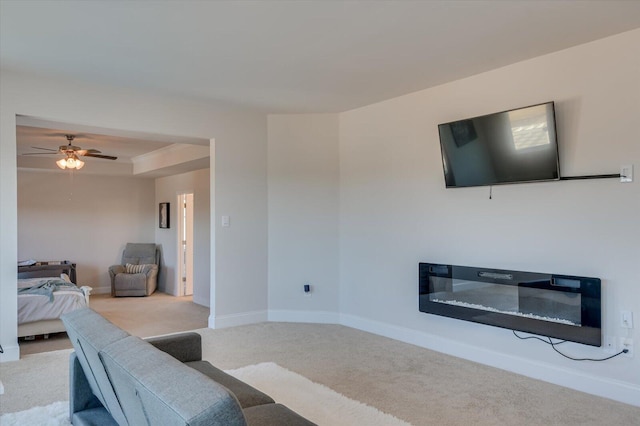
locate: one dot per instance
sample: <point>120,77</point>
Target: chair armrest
<point>116,269</point>
<point>185,347</point>
<point>150,270</point>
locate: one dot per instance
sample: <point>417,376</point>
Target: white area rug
<point>316,402</point>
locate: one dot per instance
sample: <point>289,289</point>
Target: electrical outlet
<point>610,344</point>
<point>627,343</point>
<point>626,173</point>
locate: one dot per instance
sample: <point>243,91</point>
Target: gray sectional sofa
<point>118,379</point>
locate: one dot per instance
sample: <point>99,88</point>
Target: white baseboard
<point>627,393</point>
<point>224,321</point>
<point>100,290</point>
<point>11,353</point>
<point>201,301</point>
<point>317,317</point>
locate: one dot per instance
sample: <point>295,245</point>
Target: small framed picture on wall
<point>164,215</point>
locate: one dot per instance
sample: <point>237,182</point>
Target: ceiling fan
<point>72,152</point>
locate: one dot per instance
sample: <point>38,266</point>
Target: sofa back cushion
<point>89,333</point>
<point>156,389</point>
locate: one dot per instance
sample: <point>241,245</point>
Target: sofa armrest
<point>185,347</point>
<point>81,396</point>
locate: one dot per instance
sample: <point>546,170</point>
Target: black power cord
<point>554,344</point>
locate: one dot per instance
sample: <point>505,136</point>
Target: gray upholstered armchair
<point>138,273</point>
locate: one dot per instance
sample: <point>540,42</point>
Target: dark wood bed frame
<point>47,270</point>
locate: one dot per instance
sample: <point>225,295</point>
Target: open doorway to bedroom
<point>87,216</point>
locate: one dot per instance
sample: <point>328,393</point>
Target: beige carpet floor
<point>414,384</point>
<point>157,314</point>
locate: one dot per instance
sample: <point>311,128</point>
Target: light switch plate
<point>226,221</point>
<point>626,173</point>
<point>626,319</point>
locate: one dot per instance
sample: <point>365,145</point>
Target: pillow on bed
<point>65,277</point>
<point>134,269</point>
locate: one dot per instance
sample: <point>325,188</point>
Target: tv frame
<point>462,139</point>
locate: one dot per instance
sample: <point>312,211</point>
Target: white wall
<point>396,212</point>
<point>167,190</point>
<point>239,283</point>
<point>84,218</point>
<point>393,208</point>
<point>303,217</point>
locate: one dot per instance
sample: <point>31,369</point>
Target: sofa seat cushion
<point>274,415</point>
<point>248,396</point>
<point>130,284</point>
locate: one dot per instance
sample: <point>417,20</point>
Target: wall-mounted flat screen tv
<point>513,146</point>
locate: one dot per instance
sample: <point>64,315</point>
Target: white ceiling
<point>275,56</point>
<point>293,56</point>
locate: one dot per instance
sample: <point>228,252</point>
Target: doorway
<point>185,244</point>
<point>92,263</point>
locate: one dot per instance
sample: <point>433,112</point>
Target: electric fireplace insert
<point>559,306</point>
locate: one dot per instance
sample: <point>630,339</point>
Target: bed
<point>45,292</point>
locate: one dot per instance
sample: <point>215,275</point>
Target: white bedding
<point>36,307</point>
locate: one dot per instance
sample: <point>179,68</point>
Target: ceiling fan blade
<point>87,151</point>
<point>106,157</point>
<point>45,149</point>
<point>40,153</point>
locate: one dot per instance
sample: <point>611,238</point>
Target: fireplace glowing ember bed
<point>560,306</point>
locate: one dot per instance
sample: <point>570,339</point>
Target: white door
<point>185,244</point>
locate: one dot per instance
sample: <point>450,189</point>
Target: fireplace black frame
<point>586,290</point>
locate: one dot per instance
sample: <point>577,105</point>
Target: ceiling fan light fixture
<point>71,153</point>
<point>71,162</point>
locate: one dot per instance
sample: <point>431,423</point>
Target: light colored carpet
<point>35,380</point>
<point>411,383</point>
<point>311,400</point>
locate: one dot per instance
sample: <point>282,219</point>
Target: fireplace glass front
<point>560,306</point>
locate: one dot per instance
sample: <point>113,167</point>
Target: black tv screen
<point>512,146</point>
